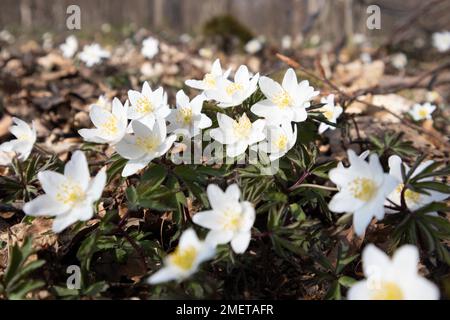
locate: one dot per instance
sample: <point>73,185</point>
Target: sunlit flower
<point>399,60</point>
<point>23,144</point>
<point>70,47</point>
<point>285,102</point>
<point>441,41</point>
<point>7,36</point>
<point>209,81</point>
<point>392,279</point>
<point>148,105</point>
<point>363,188</point>
<point>280,139</point>
<point>330,112</point>
<point>69,196</point>
<point>93,54</point>
<point>230,219</point>
<point>150,47</point>
<point>413,200</point>
<point>146,144</point>
<point>110,126</point>
<point>239,134</point>
<point>422,111</point>
<point>185,259</point>
<point>188,118</point>
<point>253,46</point>
<point>103,102</point>
<point>286,42</point>
<point>232,93</point>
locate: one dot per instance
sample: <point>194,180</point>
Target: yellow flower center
<point>283,99</point>
<point>281,142</point>
<point>242,127</point>
<point>184,259</point>
<point>184,115</point>
<point>70,193</point>
<point>232,220</point>
<point>423,112</point>
<point>410,196</point>
<point>110,126</point>
<point>363,189</point>
<point>210,80</point>
<point>329,115</point>
<point>147,144</point>
<point>388,291</point>
<point>233,87</point>
<point>24,137</point>
<point>144,105</point>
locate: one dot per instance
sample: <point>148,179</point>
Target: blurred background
<point>272,19</point>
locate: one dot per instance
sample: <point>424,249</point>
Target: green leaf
<point>347,281</point>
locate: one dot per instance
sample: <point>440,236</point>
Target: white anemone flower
<point>147,105</point>
<point>69,196</point>
<point>239,134</point>
<point>111,126</point>
<point>232,93</point>
<point>103,102</point>
<point>413,200</point>
<point>254,45</point>
<point>392,279</point>
<point>422,111</point>
<point>285,102</point>
<point>188,118</point>
<point>441,41</point>
<point>280,139</point>
<point>69,47</point>
<point>330,111</point>
<point>229,220</point>
<point>146,144</point>
<point>363,188</point>
<point>93,54</point>
<point>185,259</point>
<point>150,47</point>
<point>210,79</point>
<point>24,142</point>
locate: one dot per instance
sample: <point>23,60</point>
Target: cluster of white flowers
<point>365,190</point>
<point>145,127</point>
<point>285,103</point>
<point>441,41</point>
<point>229,221</point>
<point>91,55</point>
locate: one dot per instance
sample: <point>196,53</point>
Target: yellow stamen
<point>388,291</point>
<point>233,87</point>
<point>281,142</point>
<point>283,100</point>
<point>110,126</point>
<point>231,220</point>
<point>242,127</point>
<point>184,259</point>
<point>423,112</point>
<point>70,193</point>
<point>184,115</point>
<point>410,196</point>
<point>210,80</point>
<point>144,105</point>
<point>363,189</point>
<point>147,144</point>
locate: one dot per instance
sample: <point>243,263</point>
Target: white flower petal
<point>44,205</point>
<point>77,169</point>
<point>240,242</point>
